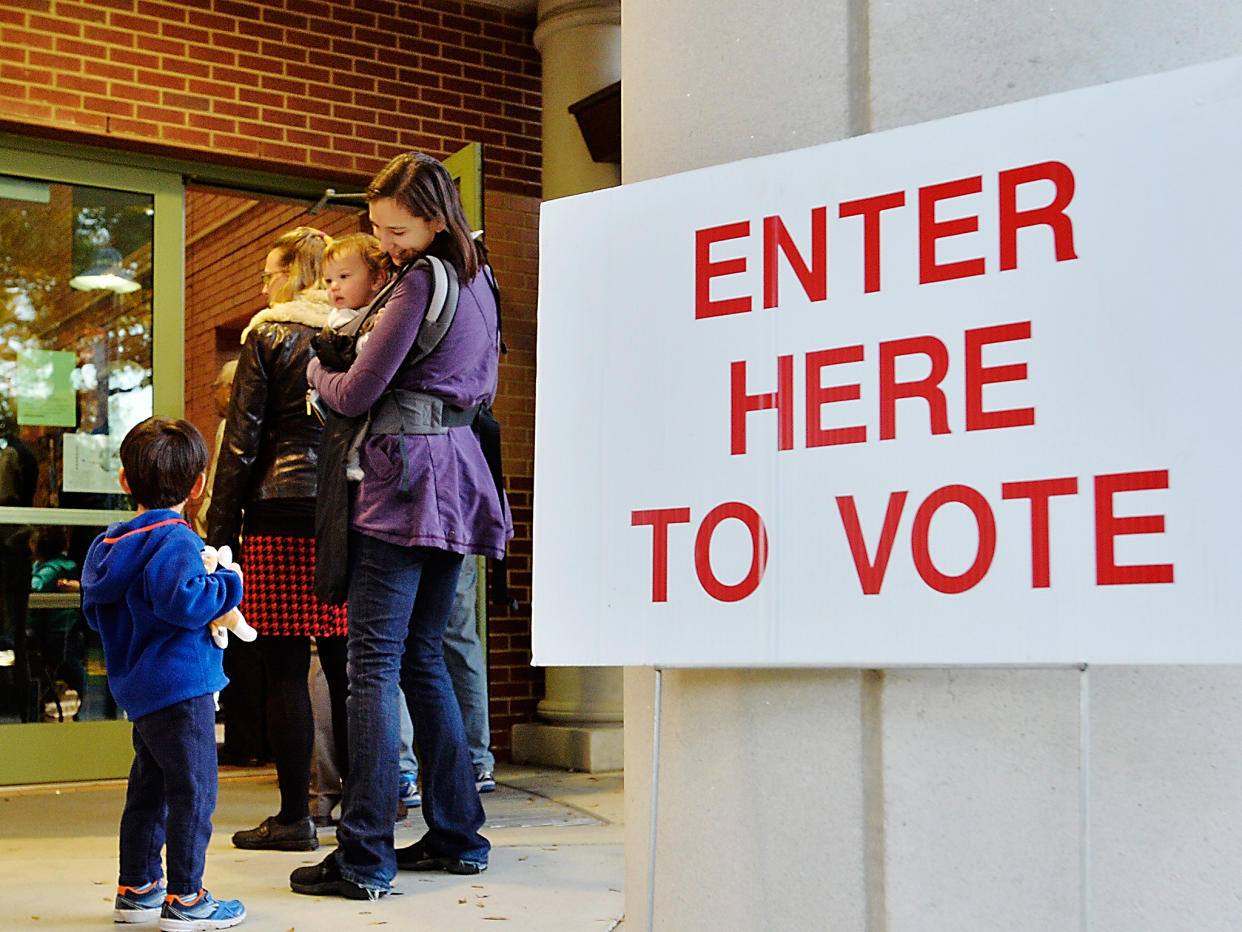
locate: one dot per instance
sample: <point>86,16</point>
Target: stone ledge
<point>587,748</point>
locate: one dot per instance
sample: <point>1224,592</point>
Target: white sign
<point>92,463</point>
<point>963,392</point>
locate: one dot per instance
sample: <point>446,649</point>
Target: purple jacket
<point>455,506</point>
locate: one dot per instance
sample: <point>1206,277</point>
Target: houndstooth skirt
<point>280,588</point>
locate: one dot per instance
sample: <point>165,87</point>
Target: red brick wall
<point>512,223</point>
<point>323,89</point>
<point>328,90</point>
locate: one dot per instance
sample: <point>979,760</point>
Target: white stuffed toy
<point>232,620</point>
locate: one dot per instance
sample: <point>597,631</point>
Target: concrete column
<point>916,799</point>
<point>580,41</point>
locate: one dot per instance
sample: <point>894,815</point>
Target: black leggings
<point>290,722</point>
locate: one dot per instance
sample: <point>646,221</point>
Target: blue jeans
<point>171,796</point>
<point>399,602</point>
<point>463,655</point>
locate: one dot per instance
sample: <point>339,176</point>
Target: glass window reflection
<point>75,375</point>
<point>75,333</point>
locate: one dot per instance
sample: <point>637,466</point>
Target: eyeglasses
<point>267,277</point>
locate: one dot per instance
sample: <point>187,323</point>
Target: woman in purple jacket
<point>427,497</point>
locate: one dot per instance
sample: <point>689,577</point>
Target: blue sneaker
<point>484,782</point>
<point>199,913</point>
<point>409,791</point>
<point>139,904</point>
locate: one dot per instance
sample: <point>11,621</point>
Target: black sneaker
<point>272,836</point>
<point>324,879</point>
<point>416,857</point>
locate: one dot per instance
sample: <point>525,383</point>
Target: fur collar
<point>311,308</point>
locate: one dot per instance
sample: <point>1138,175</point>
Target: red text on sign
<point>871,562</point>
<point>944,213</point>
<point>928,389</point>
<point>660,519</point>
<point>1108,526</point>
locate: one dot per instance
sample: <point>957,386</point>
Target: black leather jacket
<point>270,441</point>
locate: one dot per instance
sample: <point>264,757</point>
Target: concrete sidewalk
<point>557,862</point>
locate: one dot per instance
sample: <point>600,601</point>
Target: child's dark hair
<point>425,188</point>
<point>163,457</point>
<point>48,541</point>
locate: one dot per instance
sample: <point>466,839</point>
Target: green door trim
<point>68,752</point>
<point>47,752</point>
<point>299,187</point>
<point>167,254</point>
<point>466,167</point>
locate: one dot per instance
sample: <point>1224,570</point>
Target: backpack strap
<point>441,308</point>
<point>488,430</point>
<point>486,269</point>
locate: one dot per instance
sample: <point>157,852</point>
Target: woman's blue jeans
<point>399,603</point>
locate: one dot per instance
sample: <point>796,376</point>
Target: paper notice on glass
<point>92,462</point>
<point>45,394</point>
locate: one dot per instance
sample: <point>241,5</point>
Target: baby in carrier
<point>354,272</point>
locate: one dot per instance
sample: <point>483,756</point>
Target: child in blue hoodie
<point>146,591</point>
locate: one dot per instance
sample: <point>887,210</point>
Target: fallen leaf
<point>461,902</point>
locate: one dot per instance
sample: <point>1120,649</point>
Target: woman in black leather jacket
<point>264,498</point>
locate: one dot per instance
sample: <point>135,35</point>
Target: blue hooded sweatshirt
<point>144,589</point>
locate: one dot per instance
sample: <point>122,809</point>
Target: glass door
<point>91,337</point>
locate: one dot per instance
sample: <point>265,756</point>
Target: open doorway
<point>227,235</point>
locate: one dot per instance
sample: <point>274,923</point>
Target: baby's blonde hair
<point>364,245</point>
